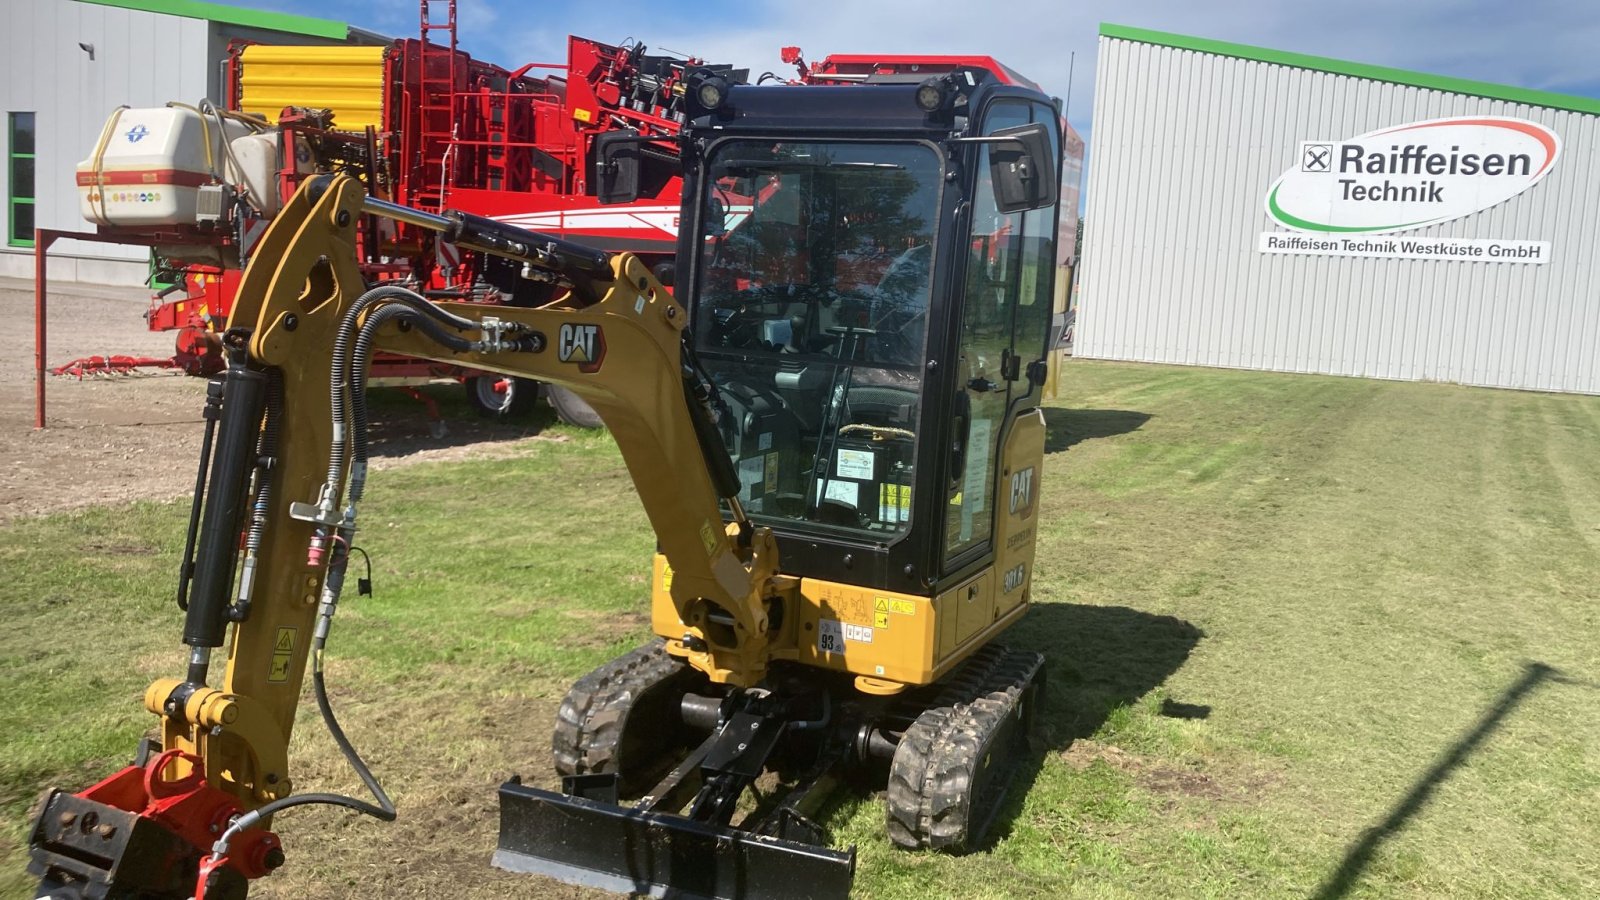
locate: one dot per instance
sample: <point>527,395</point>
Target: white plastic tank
<point>149,164</point>
<point>257,175</point>
<point>259,161</point>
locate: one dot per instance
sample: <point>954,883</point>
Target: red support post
<point>42,239</point>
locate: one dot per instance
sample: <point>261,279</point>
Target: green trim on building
<point>15,202</point>
<point>1531,97</point>
<point>236,15</point>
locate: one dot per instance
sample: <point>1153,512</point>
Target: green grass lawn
<point>1307,637</point>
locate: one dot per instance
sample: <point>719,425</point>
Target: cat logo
<point>581,344</point>
<point>1022,493</point>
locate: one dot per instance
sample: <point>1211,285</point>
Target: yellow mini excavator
<point>833,428</point>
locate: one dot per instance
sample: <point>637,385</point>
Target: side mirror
<point>1022,168</point>
<point>617,167</point>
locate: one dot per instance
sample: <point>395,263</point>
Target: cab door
<point>1005,302</point>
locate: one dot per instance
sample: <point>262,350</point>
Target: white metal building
<point>67,64</point>
<point>1257,209</point>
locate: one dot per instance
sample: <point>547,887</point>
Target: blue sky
<point>1543,44</point>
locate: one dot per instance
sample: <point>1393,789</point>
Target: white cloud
<point>1543,44</point>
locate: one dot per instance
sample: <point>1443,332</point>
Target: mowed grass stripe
<point>1274,607</point>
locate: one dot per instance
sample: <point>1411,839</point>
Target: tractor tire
<point>625,718</point>
<point>518,398</point>
<point>571,409</point>
<point>954,765</point>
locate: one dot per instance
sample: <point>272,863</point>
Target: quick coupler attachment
<point>602,845</point>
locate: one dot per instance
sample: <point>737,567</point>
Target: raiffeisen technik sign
<point>1346,198</point>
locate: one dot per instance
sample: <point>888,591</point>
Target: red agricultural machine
<point>422,123</point>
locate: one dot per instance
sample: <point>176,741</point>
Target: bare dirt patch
<point>137,437</point>
<point>443,762</point>
<point>1171,781</point>
<point>606,627</point>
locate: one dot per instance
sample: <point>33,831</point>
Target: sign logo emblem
<point>1014,577</point>
<point>1316,157</point>
<point>1022,493</point>
<point>1411,176</point>
<point>137,133</point>
<point>581,344</point>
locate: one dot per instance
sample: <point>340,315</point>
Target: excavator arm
<point>284,470</point>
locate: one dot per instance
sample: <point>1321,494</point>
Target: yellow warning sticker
<point>894,502</point>
<point>708,537</point>
<point>282,652</point>
<point>891,605</point>
<point>880,620</point>
<point>770,484</point>
<point>666,576</point>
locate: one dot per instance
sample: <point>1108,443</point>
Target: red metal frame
<point>459,132</point>
<point>43,238</point>
<point>510,145</point>
<point>853,68</point>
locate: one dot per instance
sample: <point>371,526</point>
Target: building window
<point>19,166</point>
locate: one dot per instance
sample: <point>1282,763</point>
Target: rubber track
<point>589,724</point>
<point>929,800</point>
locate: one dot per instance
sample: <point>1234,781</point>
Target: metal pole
<point>406,214</point>
<point>1072,63</point>
<point>42,239</point>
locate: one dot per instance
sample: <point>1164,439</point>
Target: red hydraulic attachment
<point>114,819</point>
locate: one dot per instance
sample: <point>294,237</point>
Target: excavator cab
<point>869,293</point>
<point>868,315</point>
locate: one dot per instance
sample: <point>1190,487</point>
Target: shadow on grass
<point>1066,427</point>
<point>1360,855</point>
<point>402,424</point>
<point>1098,659</point>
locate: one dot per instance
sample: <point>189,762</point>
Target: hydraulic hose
<point>212,413</point>
<point>340,374</point>
<point>358,382</point>
<point>266,452</point>
<point>205,135</point>
<point>383,810</point>
<point>207,107</point>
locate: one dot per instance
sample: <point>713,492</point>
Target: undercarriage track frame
<point>677,839</point>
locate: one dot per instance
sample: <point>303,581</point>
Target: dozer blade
<point>616,848</point>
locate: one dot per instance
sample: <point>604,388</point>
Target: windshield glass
<point>811,318</point>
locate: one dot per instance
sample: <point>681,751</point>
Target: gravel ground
<point>127,437</point>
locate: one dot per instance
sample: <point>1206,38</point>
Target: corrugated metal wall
<point>140,59</point>
<point>1184,148</point>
